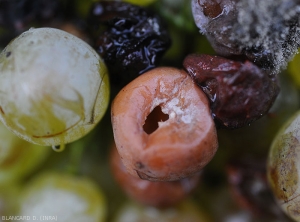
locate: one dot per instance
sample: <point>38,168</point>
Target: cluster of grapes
<point>167,123</point>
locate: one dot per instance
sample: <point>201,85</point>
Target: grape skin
<point>283,167</point>
<point>54,87</point>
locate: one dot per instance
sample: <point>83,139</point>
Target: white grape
<point>54,87</point>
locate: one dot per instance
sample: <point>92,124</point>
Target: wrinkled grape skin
<point>239,93</point>
<point>283,167</point>
<point>182,145</point>
<point>133,41</point>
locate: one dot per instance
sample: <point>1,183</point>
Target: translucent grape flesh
<point>54,87</point>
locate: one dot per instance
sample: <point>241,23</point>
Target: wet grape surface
<point>133,42</point>
<point>239,92</point>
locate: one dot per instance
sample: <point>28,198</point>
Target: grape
<point>18,158</point>
<point>283,169</point>
<point>172,135</point>
<point>133,41</point>
<point>239,93</point>
<point>265,32</point>
<point>67,197</point>
<point>54,87</point>
<point>156,194</point>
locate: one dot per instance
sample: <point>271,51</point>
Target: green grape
<point>186,211</point>
<point>283,167</point>
<point>54,87</point>
<point>64,197</point>
<point>18,158</point>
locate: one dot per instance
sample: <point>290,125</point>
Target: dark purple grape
<point>265,32</point>
<point>130,39</point>
<point>239,92</point>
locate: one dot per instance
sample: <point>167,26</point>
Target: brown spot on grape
<point>2,111</point>
<point>211,8</point>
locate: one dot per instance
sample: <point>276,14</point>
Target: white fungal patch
<point>267,31</point>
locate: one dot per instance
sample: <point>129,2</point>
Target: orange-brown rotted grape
<point>184,141</point>
<point>157,194</point>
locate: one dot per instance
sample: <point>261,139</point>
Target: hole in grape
<point>151,123</point>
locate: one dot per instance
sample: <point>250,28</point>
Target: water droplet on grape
<point>59,148</point>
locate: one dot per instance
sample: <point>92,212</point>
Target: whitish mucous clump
<point>265,32</point>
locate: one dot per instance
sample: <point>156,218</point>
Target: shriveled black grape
<point>265,32</point>
<point>131,39</point>
<point>239,92</point>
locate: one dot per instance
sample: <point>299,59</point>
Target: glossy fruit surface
<point>283,167</point>
<point>54,87</point>
<point>239,92</point>
<point>184,139</point>
<point>63,196</point>
<point>133,41</point>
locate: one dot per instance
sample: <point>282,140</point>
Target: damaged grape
<point>131,39</point>
<point>265,32</point>
<point>239,92</point>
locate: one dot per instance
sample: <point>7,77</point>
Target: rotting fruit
<point>177,147</point>
<point>129,38</point>
<point>54,87</point>
<point>151,193</point>
<point>265,32</point>
<point>239,92</point>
